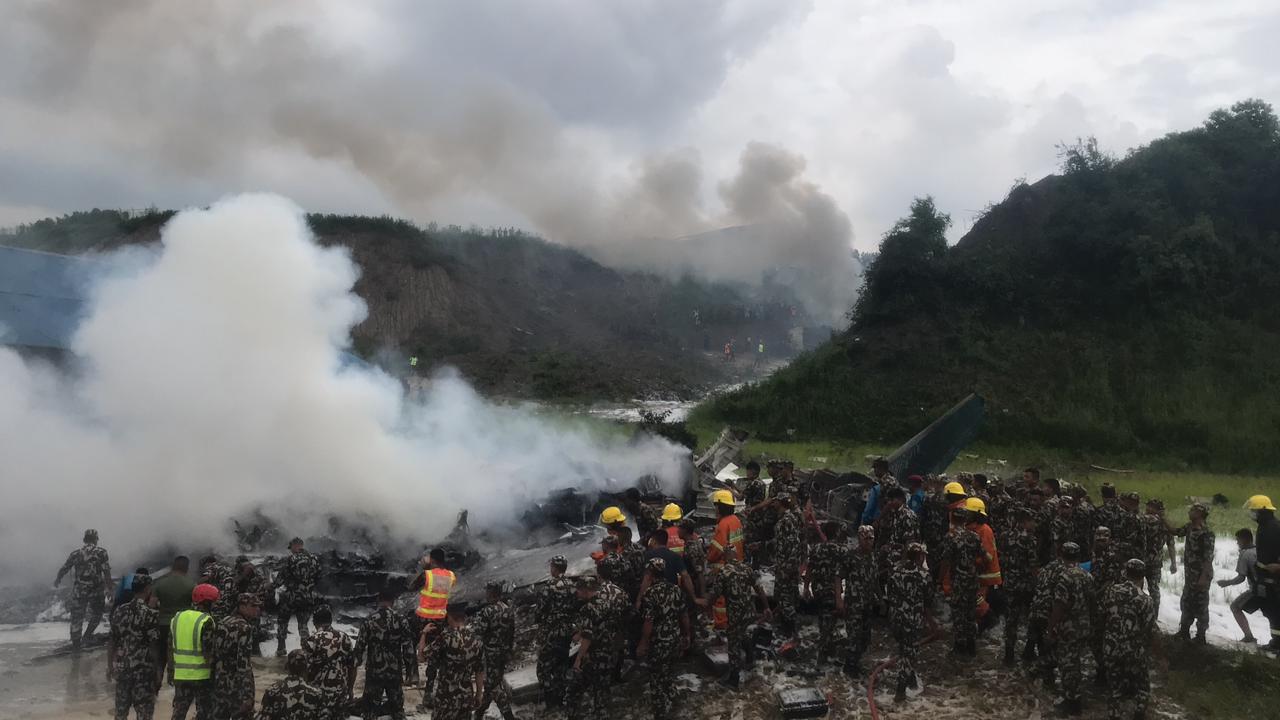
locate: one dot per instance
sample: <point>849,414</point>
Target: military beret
<point>141,581</point>
<point>586,582</point>
<point>559,561</point>
<point>1070,550</point>
<point>657,565</point>
<point>1134,565</point>
<point>1102,532</point>
<point>866,531</point>
<point>1131,495</point>
<point>245,598</point>
<point>1155,503</point>
<point>609,541</point>
<point>916,547</point>
<point>784,495</point>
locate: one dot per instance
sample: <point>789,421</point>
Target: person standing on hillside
<point>297,580</point>
<point>1197,566</point>
<point>1268,567</point>
<point>91,584</point>
<point>1158,537</point>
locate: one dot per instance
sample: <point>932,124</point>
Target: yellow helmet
<point>722,497</point>
<point>611,515</point>
<point>1259,502</point>
<point>954,488</point>
<point>976,505</point>
<point>672,512</point>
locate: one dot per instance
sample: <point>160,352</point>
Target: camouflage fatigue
<point>736,582</point>
<point>1197,555</point>
<point>648,521</point>
<point>330,662</point>
<point>1041,606</point>
<point>1073,590</point>
<point>557,602</point>
<point>1129,536</point>
<point>894,530</point>
<point>1108,515</point>
<point>826,568</point>
<point>789,552</point>
<point>1130,616</point>
<point>909,593</point>
<point>1018,565</point>
<point>135,632</point>
<point>588,688</point>
<point>297,580</point>
<point>1084,518</point>
<point>620,606</point>
<point>620,569</point>
<point>1061,530</point>
<point>759,524</point>
<point>199,693</point>
<point>961,550</point>
<point>934,520</point>
<point>695,557</point>
<point>1156,534</point>
<point>385,646</point>
<point>998,505</point>
<point>662,606</point>
<point>634,555</point>
<point>860,586</point>
<point>232,669</point>
<point>1107,570</point>
<point>495,626</point>
<point>89,566</point>
<point>222,576</point>
<point>459,656</point>
<point>291,699</point>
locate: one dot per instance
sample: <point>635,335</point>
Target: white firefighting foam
<point>213,381</point>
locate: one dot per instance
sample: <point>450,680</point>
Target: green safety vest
<point>189,663</point>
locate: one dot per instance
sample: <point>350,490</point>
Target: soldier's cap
<point>90,535</point>
<point>1155,503</point>
<point>296,662</point>
<point>586,582</point>
<point>995,481</point>
<point>783,495</point>
<point>1131,495</point>
<point>559,562</point>
<point>916,547</point>
<point>1135,566</point>
<point>1102,532</point>
<point>1201,507</point>
<point>1020,513</point>
<point>296,541</point>
<point>248,599</point>
<point>1070,550</point>
<point>496,586</point>
<point>689,524</point>
<point>141,581</point>
<point>656,565</point>
<point>609,541</point>
<point>461,607</point>
<point>866,531</point>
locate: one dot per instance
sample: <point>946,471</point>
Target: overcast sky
<point>577,117</point>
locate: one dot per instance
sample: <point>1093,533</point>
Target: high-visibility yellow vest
<point>433,601</point>
<point>189,662</point>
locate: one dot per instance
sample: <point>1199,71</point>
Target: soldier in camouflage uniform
<point>1129,537</point>
<point>495,625</point>
<point>1041,607</point>
<point>596,625</point>
<point>860,597</point>
<point>1062,525</point>
<point>331,662</point>
<point>619,566</point>
<point>1068,629</point>
<point>1158,537</point>
<point>936,518</point>
<point>1108,514</point>
<point>788,557</point>
<point>91,581</point>
<point>633,553</point>
<point>221,575</point>
<point>695,555</point>
<point>896,528</point>
<point>664,636</point>
<point>386,647</point>
<point>739,585</point>
<point>460,658</point>
<point>1085,518</point>
<point>1130,617</point>
<point>960,552</point>
<point>1107,569</point>
<point>909,597</point>
<point>297,580</point>
<point>292,698</point>
<point>619,604</point>
<point>554,616</point>
<point>758,516</point>
<point>133,660</point>
<point>1197,567</point>
<point>1018,566</point>
<point>233,690</point>
<point>648,518</point>
<point>825,580</point>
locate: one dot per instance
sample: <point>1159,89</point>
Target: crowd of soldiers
<point>1067,576</point>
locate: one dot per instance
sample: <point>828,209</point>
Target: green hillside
<point>1126,307</point>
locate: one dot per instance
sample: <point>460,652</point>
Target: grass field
<point>1165,480</point>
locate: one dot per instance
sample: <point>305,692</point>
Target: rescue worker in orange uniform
<point>437,583</point>
<point>671,517</point>
<point>989,564</point>
<point>727,542</point>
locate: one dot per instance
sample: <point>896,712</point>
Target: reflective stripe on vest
<point>674,542</point>
<point>433,601</point>
<point>189,662</point>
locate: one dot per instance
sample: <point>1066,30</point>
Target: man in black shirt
<point>675,571</point>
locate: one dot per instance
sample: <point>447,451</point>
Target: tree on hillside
<point>903,278</point>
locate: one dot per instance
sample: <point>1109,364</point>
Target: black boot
<point>733,679</point>
<point>900,695</point>
<point>1047,677</point>
<point>1068,708</point>
<point>280,651</point>
<point>1200,640</point>
<point>853,666</point>
<point>972,647</point>
<point>1008,657</point>
<point>508,715</point>
<point>1029,652</point>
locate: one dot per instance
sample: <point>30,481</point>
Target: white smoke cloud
<point>214,382</point>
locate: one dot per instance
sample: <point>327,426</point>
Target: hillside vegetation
<point>518,315</point>
<point>1126,307</point>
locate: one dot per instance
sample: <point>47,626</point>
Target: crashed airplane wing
<point>933,449</point>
